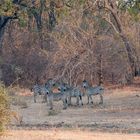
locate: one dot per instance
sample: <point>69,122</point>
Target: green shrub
<point>4,108</point>
<point>53,112</point>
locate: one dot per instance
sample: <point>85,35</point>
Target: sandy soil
<point>66,135</point>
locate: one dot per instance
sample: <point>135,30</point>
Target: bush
<point>4,108</point>
<point>53,112</point>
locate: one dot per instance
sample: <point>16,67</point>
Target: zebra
<point>49,84</point>
<point>91,91</point>
<point>44,91</point>
<point>57,97</point>
<point>41,90</point>
<point>72,92</point>
<point>37,90</point>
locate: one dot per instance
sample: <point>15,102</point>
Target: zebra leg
<point>35,98</point>
<point>80,96</point>
<point>91,101</point>
<point>77,100</point>
<point>51,104</point>
<point>64,103</point>
<point>44,99</point>
<point>88,99</point>
<point>101,99</point>
<point>69,100</point>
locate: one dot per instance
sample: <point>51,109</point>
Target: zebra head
<point>43,90</point>
<point>35,88</point>
<point>63,87</point>
<point>47,92</point>
<point>85,84</point>
<point>49,84</point>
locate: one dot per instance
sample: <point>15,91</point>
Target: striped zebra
<point>62,95</point>
<point>91,91</point>
<point>72,92</point>
<point>49,84</point>
<point>41,90</point>
<point>38,90</point>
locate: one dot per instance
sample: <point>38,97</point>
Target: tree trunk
<point>132,56</point>
<point>100,71</point>
<point>3,22</point>
<point>1,39</point>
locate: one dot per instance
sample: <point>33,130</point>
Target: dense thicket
<point>69,40</point>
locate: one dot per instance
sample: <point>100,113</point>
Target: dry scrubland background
<point>71,41</point>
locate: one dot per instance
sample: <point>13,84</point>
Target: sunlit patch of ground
<point>65,135</point>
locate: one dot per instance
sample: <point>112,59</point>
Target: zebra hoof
<point>64,108</point>
<point>82,104</point>
<point>91,102</point>
<point>51,108</point>
<point>100,103</point>
<point>43,101</point>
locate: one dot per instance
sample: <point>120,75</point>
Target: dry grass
<point>16,117</point>
<point>119,113</point>
<point>19,101</point>
<point>19,91</point>
<point>65,135</point>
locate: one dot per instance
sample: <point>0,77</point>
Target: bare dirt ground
<point>66,135</point>
<point>119,114</point>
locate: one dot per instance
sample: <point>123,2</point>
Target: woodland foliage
<point>69,40</point>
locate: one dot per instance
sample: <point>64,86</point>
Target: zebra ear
<point>84,81</point>
<point>45,84</point>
